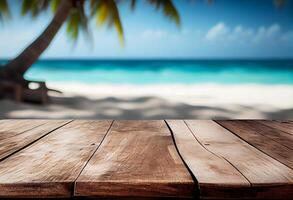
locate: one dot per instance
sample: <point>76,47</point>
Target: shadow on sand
<point>147,107</point>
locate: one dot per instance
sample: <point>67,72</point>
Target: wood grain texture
<point>268,177</point>
<point>19,125</point>
<point>216,177</point>
<point>256,136</point>
<point>285,126</point>
<point>283,138</point>
<point>16,134</point>
<point>136,159</point>
<point>49,167</point>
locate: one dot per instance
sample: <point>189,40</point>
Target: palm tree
<point>72,12</point>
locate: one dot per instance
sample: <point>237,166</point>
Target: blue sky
<point>224,29</point>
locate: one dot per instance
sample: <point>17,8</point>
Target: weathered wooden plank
<point>281,137</point>
<point>49,167</point>
<point>216,177</point>
<point>17,134</point>
<point>19,125</point>
<point>136,159</point>
<point>285,126</point>
<point>253,136</point>
<point>268,177</point>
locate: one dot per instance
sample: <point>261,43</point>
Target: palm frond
<point>168,8</point>
<point>34,7</point>
<point>72,24</point>
<point>4,10</point>
<point>107,13</point>
<point>77,20</point>
<point>55,4</point>
<point>133,4</point>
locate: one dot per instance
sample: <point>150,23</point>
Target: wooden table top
<point>201,159</point>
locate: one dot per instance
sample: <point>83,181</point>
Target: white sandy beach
<point>159,102</point>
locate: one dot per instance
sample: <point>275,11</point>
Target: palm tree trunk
<point>16,68</point>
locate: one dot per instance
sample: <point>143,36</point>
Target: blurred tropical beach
<point>160,89</point>
<point>171,59</point>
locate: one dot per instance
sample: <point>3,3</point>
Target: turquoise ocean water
<point>164,71</point>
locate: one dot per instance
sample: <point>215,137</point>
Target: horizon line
<point>162,58</point>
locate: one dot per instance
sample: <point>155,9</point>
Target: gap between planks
<point>97,182</point>
<point>282,155</point>
<point>221,157</point>
<point>204,164</point>
<point>74,183</point>
<point>27,130</point>
<point>173,139</point>
<point>72,190</point>
<point>35,140</point>
<point>255,182</point>
<point>33,184</point>
<point>196,188</point>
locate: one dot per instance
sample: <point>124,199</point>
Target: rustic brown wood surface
<point>177,158</point>
<point>137,158</point>
<point>285,126</point>
<point>16,134</point>
<point>260,170</point>
<point>49,167</point>
<point>263,140</point>
<point>215,175</point>
<point>281,137</point>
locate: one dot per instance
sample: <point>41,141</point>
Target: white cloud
<point>164,34</point>
<point>273,33</point>
<point>241,31</point>
<point>273,30</point>
<point>268,33</point>
<point>218,31</point>
<point>153,34</point>
<point>288,37</point>
<point>238,29</point>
